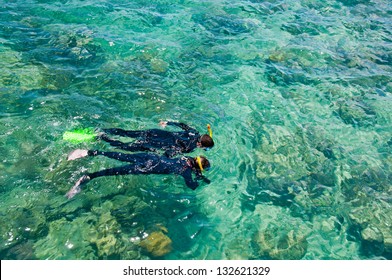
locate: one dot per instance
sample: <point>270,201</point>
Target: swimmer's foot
<point>79,153</point>
<point>76,188</point>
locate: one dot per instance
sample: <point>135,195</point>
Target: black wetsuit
<point>145,163</point>
<point>172,143</point>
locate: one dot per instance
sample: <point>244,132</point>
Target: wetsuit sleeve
<point>182,126</point>
<point>180,147</point>
<point>200,176</point>
<point>171,153</point>
<point>192,184</point>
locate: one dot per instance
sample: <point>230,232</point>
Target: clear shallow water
<point>298,94</point>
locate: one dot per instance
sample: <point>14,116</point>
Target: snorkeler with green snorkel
<point>172,143</point>
<point>151,140</point>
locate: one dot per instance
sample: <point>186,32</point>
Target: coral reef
<point>16,74</point>
<point>274,240</point>
<point>67,240</point>
<point>96,234</point>
<point>356,113</point>
<point>291,245</point>
<point>20,224</point>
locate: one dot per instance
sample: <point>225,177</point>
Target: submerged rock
<point>224,24</point>
<point>277,240</point>
<point>157,244</point>
<point>20,224</point>
<point>16,73</point>
<point>354,2</point>
<point>356,113</point>
<point>66,240</point>
<point>159,65</point>
<point>388,245</point>
<point>23,251</point>
<point>296,65</point>
<point>373,240</point>
<point>93,235</point>
<point>275,243</point>
<point>280,155</point>
<point>374,224</point>
<point>107,234</point>
<point>293,168</point>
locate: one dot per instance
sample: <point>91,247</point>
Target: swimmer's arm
<point>190,183</point>
<point>206,180</point>
<point>171,153</point>
<point>202,177</point>
<point>181,125</point>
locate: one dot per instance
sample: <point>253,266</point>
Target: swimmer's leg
<point>136,147</point>
<point>131,158</point>
<point>132,147</point>
<point>122,170</point>
<point>112,142</point>
<point>77,187</point>
<point>125,133</point>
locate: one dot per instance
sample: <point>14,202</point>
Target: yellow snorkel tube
<point>209,130</point>
<point>198,160</point>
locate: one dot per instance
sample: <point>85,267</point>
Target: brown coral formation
<point>157,244</point>
<point>288,246</point>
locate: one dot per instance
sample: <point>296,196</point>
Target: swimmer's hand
<point>76,188</point>
<point>163,123</point>
<point>206,180</point>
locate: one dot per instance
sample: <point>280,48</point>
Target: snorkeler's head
<point>202,163</point>
<point>206,142</point>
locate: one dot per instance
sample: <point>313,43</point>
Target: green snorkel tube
<point>80,135</point>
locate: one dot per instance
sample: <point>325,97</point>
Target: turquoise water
<point>298,94</point>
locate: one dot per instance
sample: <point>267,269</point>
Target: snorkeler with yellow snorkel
<point>146,163</point>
